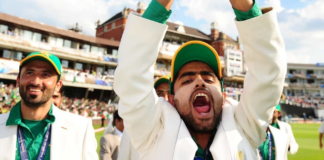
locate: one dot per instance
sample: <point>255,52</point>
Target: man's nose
<point>199,82</point>
<point>166,97</point>
<point>36,80</point>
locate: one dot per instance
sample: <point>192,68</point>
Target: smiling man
<point>34,128</point>
<point>200,123</point>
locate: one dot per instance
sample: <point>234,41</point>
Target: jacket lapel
<point>185,147</point>
<point>220,148</point>
<point>227,136</point>
<point>8,139</point>
<point>280,141</point>
<point>59,135</point>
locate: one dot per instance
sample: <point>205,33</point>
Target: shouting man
<point>200,123</point>
<point>34,128</point>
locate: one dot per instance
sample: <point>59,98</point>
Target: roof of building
<point>116,17</point>
<point>224,36</point>
<point>188,31</point>
<point>172,26</point>
<point>55,30</point>
<point>306,66</point>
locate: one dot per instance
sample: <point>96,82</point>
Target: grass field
<point>306,136</point>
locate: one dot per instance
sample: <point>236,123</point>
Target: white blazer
<point>127,150</point>
<point>72,137</point>
<point>281,143</point>
<point>292,141</point>
<point>155,127</point>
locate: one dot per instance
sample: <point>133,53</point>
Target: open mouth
<point>201,103</point>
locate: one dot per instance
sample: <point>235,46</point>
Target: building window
<point>100,70</point>
<point>85,47</point>
<point>160,65</point>
<point>79,66</point>
<point>37,37</point>
<point>105,29</point>
<point>3,29</point>
<point>5,54</point>
<point>52,41</point>
<point>67,43</point>
<point>113,25</point>
<point>19,56</point>
<point>27,35</point>
<point>74,45</point>
<point>101,51</point>
<point>59,42</point>
<point>94,49</point>
<point>114,52</point>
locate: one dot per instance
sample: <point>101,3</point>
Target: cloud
<point>179,23</point>
<point>64,13</point>
<point>303,32</point>
<point>211,11</point>
<point>276,4</point>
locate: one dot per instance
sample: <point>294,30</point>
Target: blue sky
<point>301,21</point>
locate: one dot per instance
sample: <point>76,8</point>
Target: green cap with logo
<point>44,56</point>
<point>195,51</point>
<point>163,79</point>
<point>278,108</point>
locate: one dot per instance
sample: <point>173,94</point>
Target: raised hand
<point>242,5</point>
<point>166,3</point>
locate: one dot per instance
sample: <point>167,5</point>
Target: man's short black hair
<point>116,116</point>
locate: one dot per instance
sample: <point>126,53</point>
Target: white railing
<point>46,46</point>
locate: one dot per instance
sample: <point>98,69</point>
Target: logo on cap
<point>45,54</point>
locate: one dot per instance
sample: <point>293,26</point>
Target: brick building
<point>176,35</point>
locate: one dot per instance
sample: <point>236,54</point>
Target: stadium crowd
<point>304,101</point>
<point>92,108</point>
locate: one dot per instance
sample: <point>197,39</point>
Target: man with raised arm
<point>200,123</point>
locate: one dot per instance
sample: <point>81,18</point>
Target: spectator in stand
<point>109,143</point>
<point>283,126</point>
<point>103,116</point>
<point>58,97</point>
<point>321,132</point>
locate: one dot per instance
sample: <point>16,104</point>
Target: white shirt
<point>120,134</point>
<point>321,129</point>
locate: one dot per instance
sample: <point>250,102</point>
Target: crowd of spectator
<point>304,101</point>
<point>9,96</point>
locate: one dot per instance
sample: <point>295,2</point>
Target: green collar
<point>16,119</point>
<point>200,152</point>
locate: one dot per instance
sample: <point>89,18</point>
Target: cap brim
<point>39,57</point>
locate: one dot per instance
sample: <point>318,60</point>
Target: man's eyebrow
<point>190,73</point>
<point>207,73</point>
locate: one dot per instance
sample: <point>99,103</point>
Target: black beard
<point>192,125</point>
<point>29,100</point>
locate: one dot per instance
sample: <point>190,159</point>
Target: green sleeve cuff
<point>156,12</point>
<point>253,12</point>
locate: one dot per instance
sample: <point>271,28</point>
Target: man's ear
<point>58,86</point>
<point>224,98</point>
<point>171,99</point>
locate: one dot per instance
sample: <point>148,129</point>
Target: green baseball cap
<point>163,79</point>
<point>44,56</point>
<point>278,108</point>
<point>195,51</point>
